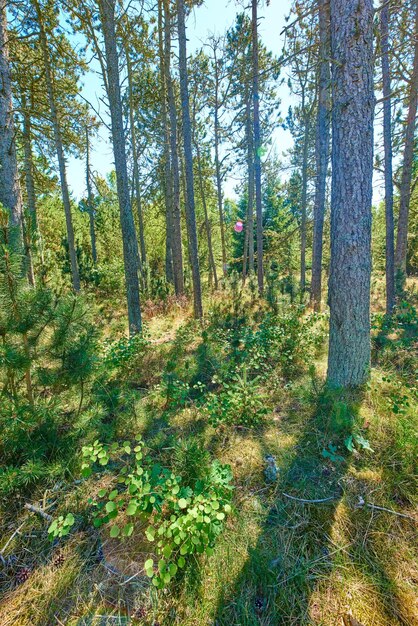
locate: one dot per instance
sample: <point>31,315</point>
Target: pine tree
<point>130,245</point>
<point>188,159</point>
<point>408,154</point>
<point>41,13</point>
<point>387,139</point>
<point>352,171</point>
<point>10,196</point>
<point>321,152</point>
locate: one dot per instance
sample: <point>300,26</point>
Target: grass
<point>279,560</point>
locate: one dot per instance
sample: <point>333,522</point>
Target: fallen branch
<point>319,501</point>
<point>38,511</point>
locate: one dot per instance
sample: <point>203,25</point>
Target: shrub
<point>239,402</point>
<point>179,520</point>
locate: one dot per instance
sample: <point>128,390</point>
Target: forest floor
<point>332,539</point>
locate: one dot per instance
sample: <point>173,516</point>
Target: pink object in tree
<point>238,227</point>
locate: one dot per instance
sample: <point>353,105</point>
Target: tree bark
<point>129,240</point>
<point>58,147</point>
<point>352,171</point>
<point>218,165</point>
<point>408,156</point>
<point>10,195</point>
<point>168,181</point>
<point>304,200</point>
<point>321,153</point>
<point>137,185</point>
<point>29,223</point>
<point>212,264</point>
<point>249,228</point>
<point>90,200</point>
<point>257,151</point>
<point>177,246</point>
<point>387,140</point>
<point>188,160</point>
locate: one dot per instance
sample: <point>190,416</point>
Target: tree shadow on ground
<point>295,546</point>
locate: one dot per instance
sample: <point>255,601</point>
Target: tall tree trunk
<point>249,227</point>
<point>218,167</point>
<point>137,185</point>
<point>352,172</point>
<point>10,196</point>
<point>29,221</point>
<point>168,180</point>
<point>408,156</point>
<point>219,195</point>
<point>304,201</point>
<point>177,246</point>
<point>321,153</point>
<point>387,140</point>
<point>188,160</point>
<point>58,147</point>
<point>129,241</point>
<point>257,151</point>
<point>90,200</point>
<point>212,263</point>
<point>28,168</point>
<point>33,226</point>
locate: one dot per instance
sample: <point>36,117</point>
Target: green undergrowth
<point>329,531</point>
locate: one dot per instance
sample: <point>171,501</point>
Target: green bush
<point>239,402</point>
<point>179,520</point>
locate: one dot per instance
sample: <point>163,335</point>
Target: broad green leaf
<point>114,531</point>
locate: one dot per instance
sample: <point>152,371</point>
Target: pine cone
<point>22,575</point>
<point>140,613</point>
<point>59,560</point>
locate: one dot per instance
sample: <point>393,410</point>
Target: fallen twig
<point>382,508</point>
<point>8,542</point>
<point>38,511</point>
<point>304,501</point>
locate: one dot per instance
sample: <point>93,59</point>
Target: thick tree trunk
<point>188,161</point>
<point>352,171</point>
<point>177,246</point>
<point>387,140</point>
<point>408,156</point>
<point>257,151</point>
<point>321,153</point>
<point>58,147</point>
<point>10,196</point>
<point>90,200</point>
<point>129,241</point>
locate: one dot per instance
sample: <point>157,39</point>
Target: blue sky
<point>215,16</point>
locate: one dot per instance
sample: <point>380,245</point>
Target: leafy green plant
<point>126,351</point>
<point>355,441</point>
<point>61,526</point>
<point>177,519</point>
<point>330,452</point>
